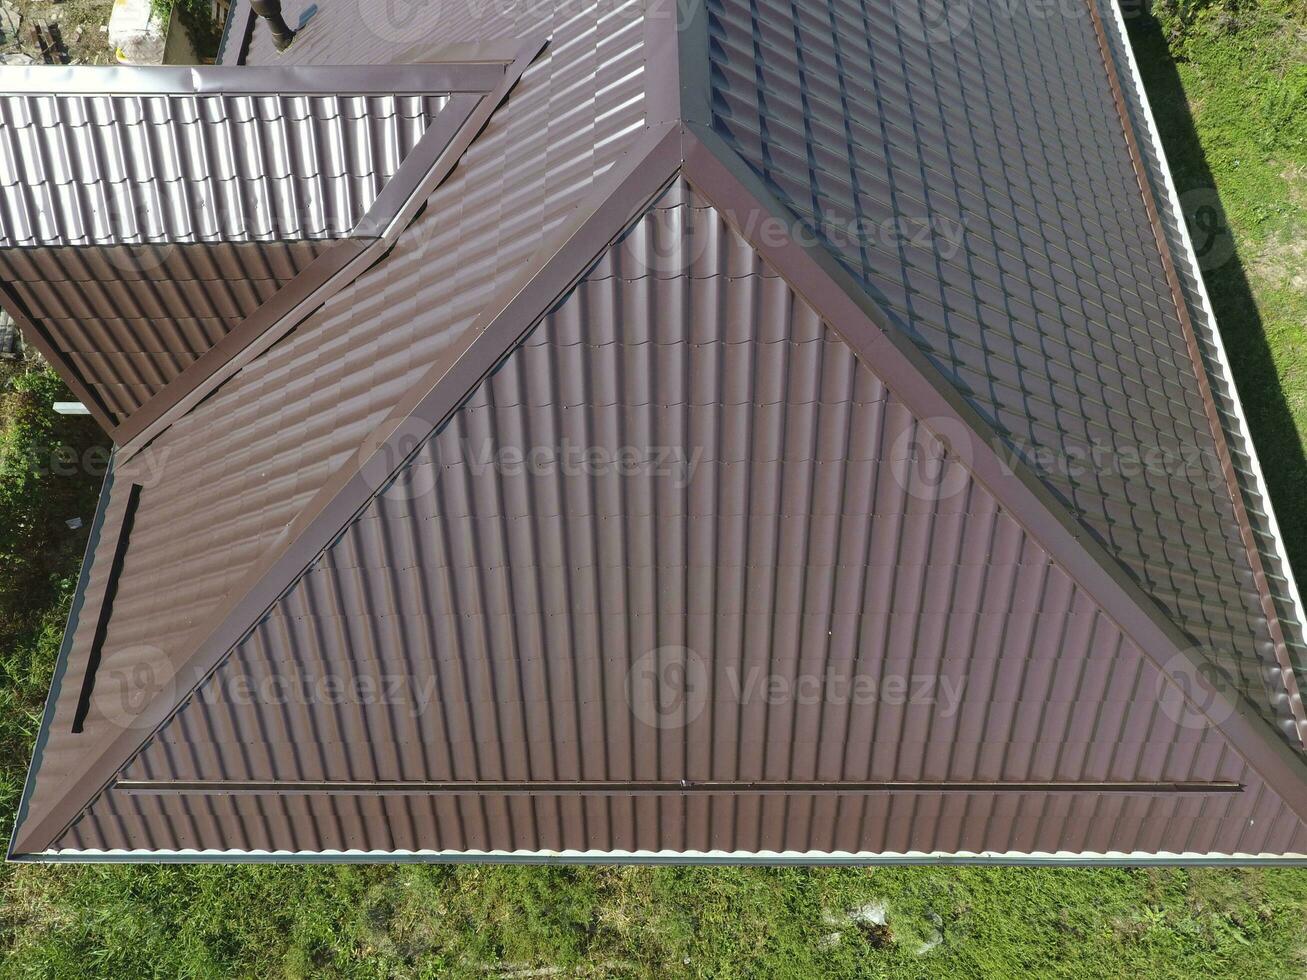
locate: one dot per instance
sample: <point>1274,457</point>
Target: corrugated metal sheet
<point>138,230</point>
<point>109,170</point>
<point>764,523</point>
<point>240,466</point>
<point>131,318</point>
<point>975,183</point>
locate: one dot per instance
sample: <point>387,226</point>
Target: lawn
<point>1230,91</point>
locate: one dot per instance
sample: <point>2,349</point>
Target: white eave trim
<point>1213,336</point>
<point>672,857</point>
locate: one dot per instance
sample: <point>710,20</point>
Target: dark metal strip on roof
<point>61,661</point>
<point>544,787</point>
<point>106,607</point>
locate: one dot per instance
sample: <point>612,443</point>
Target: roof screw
<point>270,10</point>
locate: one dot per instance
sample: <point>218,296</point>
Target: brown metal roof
<point>1023,261</point>
<point>260,550</point>
<point>523,600</point>
<point>146,216</point>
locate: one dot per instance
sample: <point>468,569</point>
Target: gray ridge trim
<point>221,80</point>
<point>726,181</point>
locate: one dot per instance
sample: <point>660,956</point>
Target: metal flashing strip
<point>670,857</point>
<point>106,605</point>
<point>225,80</point>
<point>621,198</point>
<point>726,181</point>
<point>1218,345</point>
<point>1204,384</point>
<point>651,788</point>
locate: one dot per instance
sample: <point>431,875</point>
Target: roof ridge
<point>620,199</point>
<point>724,179</point>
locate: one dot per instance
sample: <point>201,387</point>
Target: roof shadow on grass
<point>1270,420</point>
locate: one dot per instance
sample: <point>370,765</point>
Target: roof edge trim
<point>422,78</point>
<point>727,182</point>
<point>1265,599</point>
<point>1032,858</point>
<point>1223,362</point>
<point>240,787</point>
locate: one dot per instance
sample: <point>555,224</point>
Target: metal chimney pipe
<point>270,10</point>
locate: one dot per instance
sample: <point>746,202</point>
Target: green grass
<point>1246,90</point>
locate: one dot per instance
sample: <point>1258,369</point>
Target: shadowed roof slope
<point>816,302</point>
<point>984,192</point>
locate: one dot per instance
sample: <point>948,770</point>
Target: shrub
<point>50,469</point>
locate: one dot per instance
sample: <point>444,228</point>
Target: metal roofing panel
<point>976,186</point>
<point>130,323</point>
<point>241,465</point>
<point>136,169</point>
<point>490,616</point>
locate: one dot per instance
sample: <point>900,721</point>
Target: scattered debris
<point>871,919</point>
<point>936,935</point>
<point>871,914</point>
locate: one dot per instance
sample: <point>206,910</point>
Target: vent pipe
<point>270,10</point>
